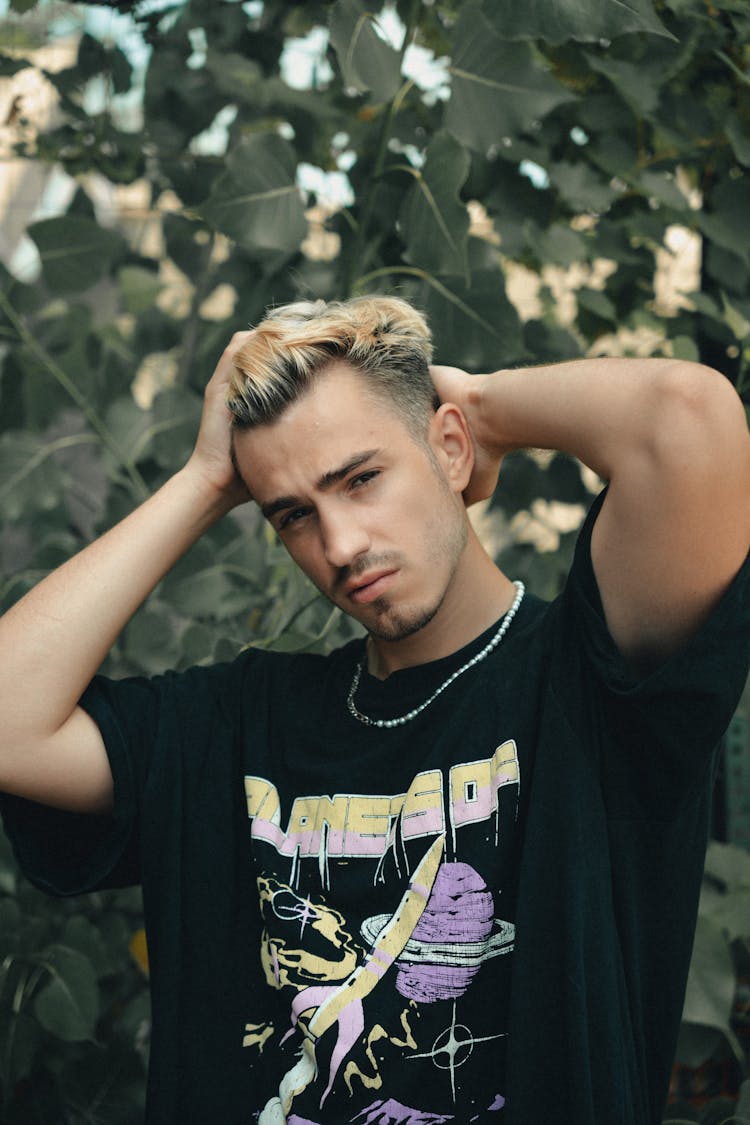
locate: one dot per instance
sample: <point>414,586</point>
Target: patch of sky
<point>426,71</point>
<point>117,28</point>
<point>331,189</point>
<point>152,7</point>
<point>214,140</point>
<point>390,26</point>
<point>578,136</point>
<point>413,154</point>
<point>303,62</point>
<point>113,29</point>
<point>59,188</point>
<point>199,43</point>
<point>534,172</point>
<point>429,73</point>
<point>345,157</point>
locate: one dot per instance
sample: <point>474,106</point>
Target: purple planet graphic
<point>455,935</point>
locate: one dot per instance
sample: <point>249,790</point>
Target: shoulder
<point>713,658</point>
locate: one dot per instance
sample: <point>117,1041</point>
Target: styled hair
<point>384,338</point>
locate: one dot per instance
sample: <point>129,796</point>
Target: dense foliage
<point>565,145</point>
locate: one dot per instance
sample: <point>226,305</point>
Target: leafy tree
<point>577,140</point>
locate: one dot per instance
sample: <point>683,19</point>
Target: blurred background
<point>544,180</point>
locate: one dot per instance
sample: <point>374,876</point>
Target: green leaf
<point>10,65</point>
<point>10,916</point>
<point>545,343</point>
<point>75,253</point>
<point>742,1109</point>
<point>183,241</point>
<point>474,327</point>
<point>498,88</point>
<point>662,187</point>
<point>257,202</point>
<point>637,85</point>
<point>131,427</point>
<point>236,76</point>
<point>711,983</point>
<point>581,186</point>
<point>735,319</point>
<point>82,937</point>
<point>434,220</point>
<point>95,59</point>
<point>559,244</point>
<point>67,1005</point>
<point>197,645</point>
<point>695,1046</point>
<point>684,347</point>
<point>729,864</point>
<point>201,594</point>
<point>706,305</point>
<point>105,1086</point>
<point>176,417</point>
<point>8,871</point>
<point>21,1037</point>
<point>727,223</point>
<point>30,481</point>
<point>556,21</point>
<point>739,137</point>
<point>139,288</point>
<point>596,302</point>
<point>201,584</point>
<point>732,913</point>
<point>151,640</point>
<point>724,267</point>
<point>367,62</point>
<point>516,207</point>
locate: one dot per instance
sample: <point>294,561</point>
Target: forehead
<point>338,416</point>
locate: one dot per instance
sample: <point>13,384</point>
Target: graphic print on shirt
<point>440,927</point>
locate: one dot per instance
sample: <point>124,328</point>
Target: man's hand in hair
<point>212,456</point>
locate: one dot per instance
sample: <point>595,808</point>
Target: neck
<point>479,593</point>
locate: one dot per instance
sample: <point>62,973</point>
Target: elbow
<point>702,391</point>
<point>700,420</point>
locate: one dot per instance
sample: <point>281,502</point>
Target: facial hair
<point>395,623</point>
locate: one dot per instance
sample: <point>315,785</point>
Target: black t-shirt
<point>483,915</point>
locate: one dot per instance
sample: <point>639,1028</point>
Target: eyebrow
<point>328,479</point>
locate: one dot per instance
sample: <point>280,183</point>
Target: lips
<point>368,587</point>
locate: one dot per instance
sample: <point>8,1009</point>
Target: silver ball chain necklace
<point>488,648</point>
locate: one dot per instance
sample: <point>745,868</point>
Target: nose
<point>344,538</point>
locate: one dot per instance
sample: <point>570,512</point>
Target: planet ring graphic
<point>464,954</point>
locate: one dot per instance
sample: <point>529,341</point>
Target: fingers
<point>238,339</point>
<point>225,367</point>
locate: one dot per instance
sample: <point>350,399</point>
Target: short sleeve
<point>142,721</point>
<point>656,734</point>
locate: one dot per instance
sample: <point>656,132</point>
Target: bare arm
<point>672,441</point>
<point>53,641</point>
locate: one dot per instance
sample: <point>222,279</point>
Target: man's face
<point>358,502</point>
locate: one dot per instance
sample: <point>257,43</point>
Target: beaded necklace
<point>402,719</point>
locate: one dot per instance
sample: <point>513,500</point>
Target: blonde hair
<point>384,338</point>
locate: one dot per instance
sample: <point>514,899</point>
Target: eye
<point>364,478</point>
<point>293,516</point>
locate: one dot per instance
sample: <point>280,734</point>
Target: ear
<point>452,444</point>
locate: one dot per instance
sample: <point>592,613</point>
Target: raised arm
<point>671,439</point>
<point>53,641</point>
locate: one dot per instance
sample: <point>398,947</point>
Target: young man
<point>449,873</point>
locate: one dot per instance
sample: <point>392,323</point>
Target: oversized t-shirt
<point>484,915</point>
